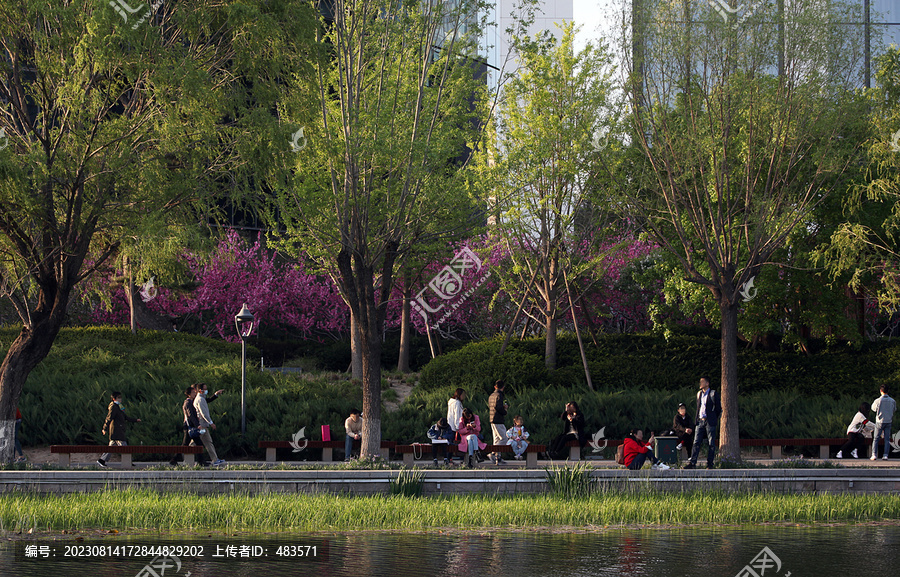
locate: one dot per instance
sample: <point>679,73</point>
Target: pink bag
<point>326,432</point>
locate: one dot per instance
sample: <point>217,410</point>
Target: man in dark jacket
<point>115,422</point>
<point>497,408</point>
<point>683,426</point>
<point>191,421</point>
<point>708,410</point>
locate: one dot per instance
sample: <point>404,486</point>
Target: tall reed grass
<point>167,512</point>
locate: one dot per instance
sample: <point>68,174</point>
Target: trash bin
<point>664,449</point>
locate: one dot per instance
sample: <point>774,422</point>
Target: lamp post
<point>243,322</point>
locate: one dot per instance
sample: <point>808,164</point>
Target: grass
<point>147,510</point>
<point>570,482</point>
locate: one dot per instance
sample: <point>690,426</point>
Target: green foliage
<point>183,511</point>
<point>65,399</point>
<point>408,483</point>
<point>571,482</point>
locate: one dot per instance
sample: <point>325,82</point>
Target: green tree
<point>741,126</point>
<point>551,114</point>
<point>393,90</point>
<point>867,245</point>
<point>115,120</point>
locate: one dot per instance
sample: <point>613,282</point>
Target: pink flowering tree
<point>279,293</point>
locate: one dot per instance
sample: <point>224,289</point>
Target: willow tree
<point>741,126</point>
<point>393,92</point>
<point>867,245</point>
<point>114,119</point>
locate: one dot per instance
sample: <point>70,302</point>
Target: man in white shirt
<point>206,423</point>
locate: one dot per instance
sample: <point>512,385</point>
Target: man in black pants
<point>684,429</point>
<point>191,420</point>
<point>708,410</point>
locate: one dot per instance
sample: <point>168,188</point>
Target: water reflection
<point>706,552</point>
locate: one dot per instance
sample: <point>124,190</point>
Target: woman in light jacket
<point>468,427</point>
<point>455,409</point>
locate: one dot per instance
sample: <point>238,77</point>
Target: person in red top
<point>637,452</point>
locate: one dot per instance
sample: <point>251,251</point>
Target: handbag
<point>193,432</point>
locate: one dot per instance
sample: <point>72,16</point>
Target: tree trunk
<point>729,444</point>
<point>26,352</point>
<point>141,315</point>
<point>371,361</point>
<point>129,295</point>
<point>356,353</point>
<point>550,342</point>
<point>405,329</point>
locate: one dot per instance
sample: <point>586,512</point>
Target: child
<point>518,437</point>
<point>115,421</point>
<point>441,434</point>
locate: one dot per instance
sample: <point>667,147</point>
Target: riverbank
<point>135,510</point>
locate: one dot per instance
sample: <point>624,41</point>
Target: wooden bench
<point>326,446</point>
<point>409,452</point>
<point>127,451</point>
<point>776,445</point>
<point>575,448</point>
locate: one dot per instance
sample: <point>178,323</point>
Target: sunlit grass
<point>149,510</point>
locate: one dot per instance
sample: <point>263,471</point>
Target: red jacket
<point>632,448</point>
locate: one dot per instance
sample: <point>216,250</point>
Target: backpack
<point>620,454</point>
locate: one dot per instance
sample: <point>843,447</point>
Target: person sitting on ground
<point>637,452</point>
<point>518,437</point>
<point>573,430</point>
<point>684,429</point>
<point>441,435</point>
<point>353,426</point>
<point>468,428</point>
<point>860,428</point>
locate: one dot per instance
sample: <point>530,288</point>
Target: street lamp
<point>243,322</point>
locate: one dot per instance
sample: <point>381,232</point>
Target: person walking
<point>191,423</point>
<point>856,433</point>
<point>497,407</point>
<point>709,408</point>
<point>883,407</point>
<point>115,422</point>
<point>206,423</point>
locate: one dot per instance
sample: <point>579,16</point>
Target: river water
<point>746,551</point>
